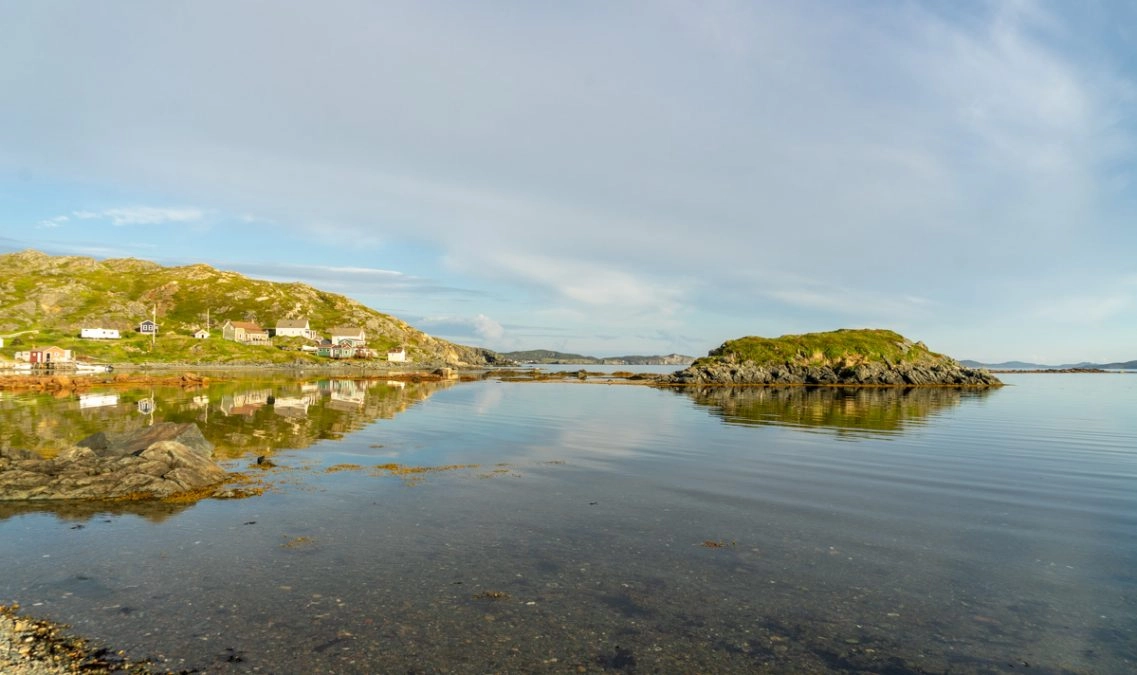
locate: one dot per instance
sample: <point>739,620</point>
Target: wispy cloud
<point>143,215</point>
<point>353,281</point>
<point>51,223</point>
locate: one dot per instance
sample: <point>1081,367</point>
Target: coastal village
<point>339,342</point>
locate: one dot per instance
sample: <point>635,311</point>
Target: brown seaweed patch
<point>295,543</point>
<point>491,595</point>
<point>336,468</point>
<point>413,475</point>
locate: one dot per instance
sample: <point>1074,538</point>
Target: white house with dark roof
<point>352,335</point>
<point>293,328</point>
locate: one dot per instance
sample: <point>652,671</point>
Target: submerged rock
<point>134,442</point>
<point>115,469</point>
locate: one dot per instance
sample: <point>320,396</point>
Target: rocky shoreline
<point>943,373</point>
<point>166,461</point>
<point>30,646</point>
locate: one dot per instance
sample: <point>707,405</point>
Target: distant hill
<point>546,356</point>
<point>46,300</point>
<point>1022,365</point>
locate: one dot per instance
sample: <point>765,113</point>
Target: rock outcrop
<point>860,357</point>
<point>157,462</point>
<point>944,373</point>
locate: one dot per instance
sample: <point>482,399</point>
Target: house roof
<point>249,326</point>
<point>346,330</point>
<point>292,323</point>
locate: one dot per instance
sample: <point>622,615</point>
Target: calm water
<point>571,527</point>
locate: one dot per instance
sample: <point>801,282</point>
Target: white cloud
<point>52,223</point>
<point>143,215</point>
<point>463,327</point>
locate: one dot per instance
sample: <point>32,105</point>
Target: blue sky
<point>604,178</point>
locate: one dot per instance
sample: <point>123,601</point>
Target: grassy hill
<point>45,300</point>
<point>844,347</point>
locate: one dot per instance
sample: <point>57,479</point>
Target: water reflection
<point>237,416</point>
<point>82,511</point>
<point>847,412</point>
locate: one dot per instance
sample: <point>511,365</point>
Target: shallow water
<point>599,527</point>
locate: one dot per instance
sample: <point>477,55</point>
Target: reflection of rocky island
<point>238,416</point>
<point>844,410</point>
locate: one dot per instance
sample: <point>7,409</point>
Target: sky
<point>603,177</point>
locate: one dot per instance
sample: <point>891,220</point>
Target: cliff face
<point>845,357</point>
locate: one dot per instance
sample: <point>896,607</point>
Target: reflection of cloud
<point>488,399</point>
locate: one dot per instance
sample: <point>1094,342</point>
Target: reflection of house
<point>99,333</point>
<point>245,403</point>
<point>146,406</point>
<point>246,332</point>
<point>97,400</point>
<point>148,327</point>
<point>397,354</point>
<point>347,395</point>
<point>201,334</point>
<point>47,356</point>
<point>350,334</point>
<point>292,406</point>
<point>293,328</point>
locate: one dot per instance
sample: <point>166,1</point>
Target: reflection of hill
<point>855,411</point>
<point>81,510</point>
<point>237,416</point>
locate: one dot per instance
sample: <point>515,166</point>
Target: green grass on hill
<point>846,346</point>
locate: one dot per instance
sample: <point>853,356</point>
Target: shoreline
<point>33,646</point>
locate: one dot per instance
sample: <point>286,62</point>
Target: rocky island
<point>848,357</point>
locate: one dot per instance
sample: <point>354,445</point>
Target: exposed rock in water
<point>946,373</point>
<point>157,462</point>
<point>865,357</point>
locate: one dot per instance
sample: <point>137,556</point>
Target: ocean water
<point>566,527</point>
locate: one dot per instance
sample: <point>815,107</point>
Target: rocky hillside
<point>849,357</point>
<point>47,299</point>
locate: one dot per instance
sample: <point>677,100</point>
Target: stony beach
<point>31,646</point>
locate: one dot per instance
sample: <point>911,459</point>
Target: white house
<point>99,333</point>
<point>201,334</point>
<point>148,327</point>
<point>293,328</point>
<point>352,335</point>
<point>397,354</point>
